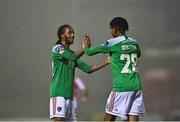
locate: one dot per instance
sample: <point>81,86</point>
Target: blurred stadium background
<point>28,31</point>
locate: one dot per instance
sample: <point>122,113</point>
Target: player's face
<point>69,35</point>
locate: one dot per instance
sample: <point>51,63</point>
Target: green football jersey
<point>124,52</point>
<point>64,62</point>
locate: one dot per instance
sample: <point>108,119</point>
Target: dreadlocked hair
<point>61,31</point>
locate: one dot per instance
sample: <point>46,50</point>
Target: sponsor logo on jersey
<point>71,63</point>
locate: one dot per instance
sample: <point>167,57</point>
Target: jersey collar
<point>114,41</point>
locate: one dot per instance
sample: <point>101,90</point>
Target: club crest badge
<point>59,109</point>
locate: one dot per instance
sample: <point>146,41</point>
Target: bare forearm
<point>80,52</point>
<point>96,67</point>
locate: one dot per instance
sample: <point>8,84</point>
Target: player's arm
<point>96,50</point>
<point>103,48</point>
<point>80,52</point>
<point>89,69</point>
<point>86,43</point>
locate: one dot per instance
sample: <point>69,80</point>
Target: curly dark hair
<point>120,24</point>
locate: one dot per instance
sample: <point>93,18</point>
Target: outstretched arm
<point>96,67</point>
<point>89,69</point>
<point>95,50</point>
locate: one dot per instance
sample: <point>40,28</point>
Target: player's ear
<point>117,30</point>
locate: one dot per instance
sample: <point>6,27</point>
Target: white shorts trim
<point>122,104</point>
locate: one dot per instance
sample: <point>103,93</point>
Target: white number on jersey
<point>130,59</point>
